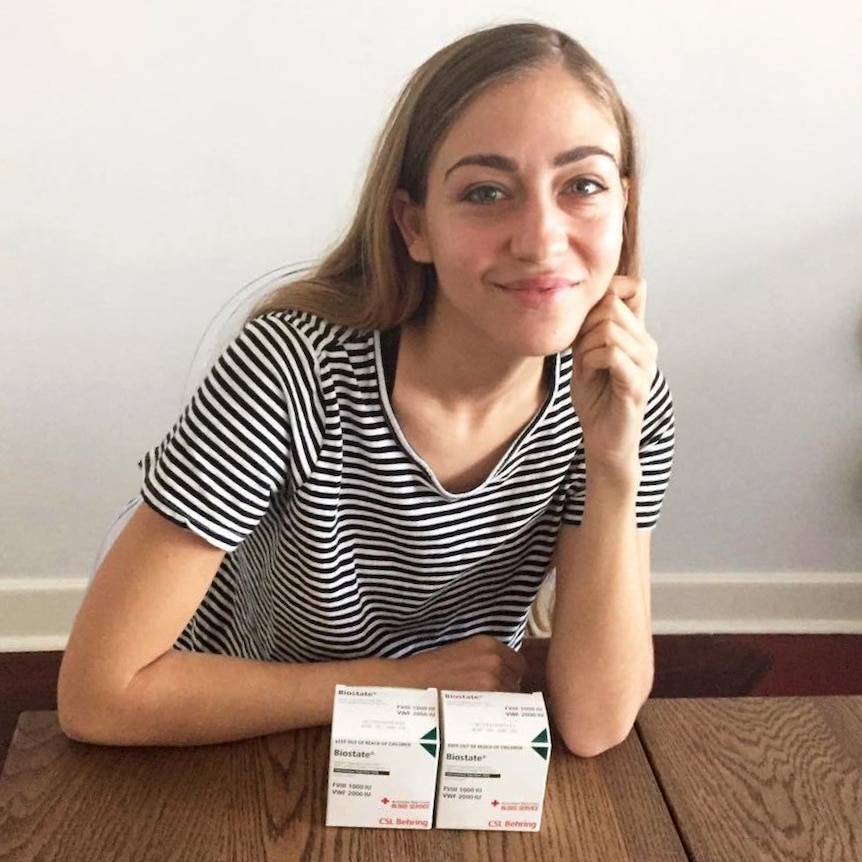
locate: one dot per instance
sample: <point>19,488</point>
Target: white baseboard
<point>36,613</point>
<point>758,602</point>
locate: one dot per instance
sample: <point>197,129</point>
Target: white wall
<point>155,156</point>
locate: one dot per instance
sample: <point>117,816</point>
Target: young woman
<point>378,473</point>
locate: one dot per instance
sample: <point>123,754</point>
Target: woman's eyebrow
<point>485,160</point>
<point>576,154</point>
<point>504,163</point>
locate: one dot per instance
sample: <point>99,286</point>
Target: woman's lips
<point>536,292</point>
<point>540,284</point>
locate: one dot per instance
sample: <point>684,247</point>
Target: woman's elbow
<point>597,731</point>
<point>593,744</point>
<point>76,727</point>
<point>80,723</point>
<point>86,714</point>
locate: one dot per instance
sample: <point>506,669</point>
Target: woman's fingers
<point>610,333</point>
<point>610,307</point>
<point>478,663</point>
<point>632,291</point>
<point>614,365</point>
<point>621,367</point>
<point>612,324</point>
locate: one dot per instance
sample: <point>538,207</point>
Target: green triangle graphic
<point>542,738</point>
<point>430,747</point>
<point>432,734</point>
<point>542,751</point>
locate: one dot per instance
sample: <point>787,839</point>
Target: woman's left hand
<point>614,366</point>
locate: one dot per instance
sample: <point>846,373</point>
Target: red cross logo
<point>385,801</point>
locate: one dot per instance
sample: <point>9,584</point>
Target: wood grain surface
<point>761,779</point>
<point>265,799</point>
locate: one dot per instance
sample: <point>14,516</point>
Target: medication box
<point>494,761</point>
<point>383,757</point>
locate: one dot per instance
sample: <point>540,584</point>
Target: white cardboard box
<point>494,761</point>
<point>383,757</point>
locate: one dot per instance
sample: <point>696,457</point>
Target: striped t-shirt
<point>341,541</point>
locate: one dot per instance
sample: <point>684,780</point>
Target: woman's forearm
<point>194,699</point>
<point>600,659</point>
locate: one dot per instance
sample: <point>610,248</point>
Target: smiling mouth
<point>539,285</point>
<point>539,294</point>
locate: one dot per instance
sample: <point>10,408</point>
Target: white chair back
<point>115,529</point>
<point>226,323</point>
<point>229,319</point>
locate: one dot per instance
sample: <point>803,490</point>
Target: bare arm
<point>600,660</point>
<point>122,683</point>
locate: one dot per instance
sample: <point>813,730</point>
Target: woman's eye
<point>484,195</point>
<point>586,187</point>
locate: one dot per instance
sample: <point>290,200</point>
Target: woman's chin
<point>544,342</point>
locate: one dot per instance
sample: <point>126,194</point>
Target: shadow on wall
<point>858,488</point>
<point>859,333</point>
<point>764,364</point>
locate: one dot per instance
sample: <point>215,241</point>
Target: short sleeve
<point>656,453</point>
<point>230,452</point>
<point>656,460</point>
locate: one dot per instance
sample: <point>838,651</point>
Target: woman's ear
<point>411,222</point>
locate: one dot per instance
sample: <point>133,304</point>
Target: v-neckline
<point>386,344</point>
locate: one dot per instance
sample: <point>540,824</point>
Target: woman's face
<point>523,215</point>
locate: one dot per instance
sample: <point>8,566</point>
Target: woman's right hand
<point>477,663</point>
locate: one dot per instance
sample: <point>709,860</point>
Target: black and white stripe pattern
<point>341,541</point>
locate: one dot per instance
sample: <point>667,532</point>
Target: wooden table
<point>736,779</point>
<point>757,779</point>
<point>265,799</point>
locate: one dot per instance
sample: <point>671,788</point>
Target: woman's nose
<point>539,230</point>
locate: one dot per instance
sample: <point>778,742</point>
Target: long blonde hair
<point>369,280</point>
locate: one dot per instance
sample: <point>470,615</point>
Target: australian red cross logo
<point>385,801</point>
<point>495,803</point>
